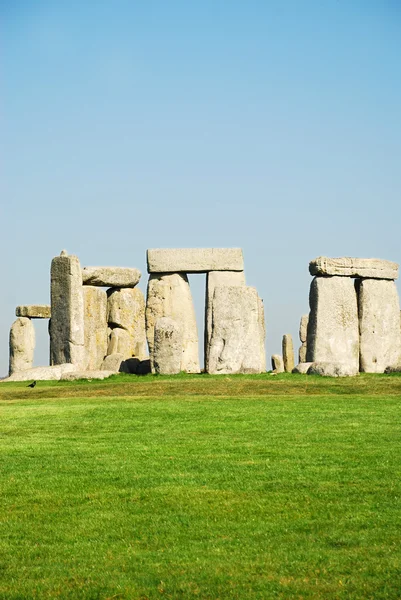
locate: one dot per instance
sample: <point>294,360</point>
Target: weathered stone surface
<point>333,330</point>
<point>67,330</point>
<point>213,279</point>
<point>33,311</point>
<point>120,342</point>
<point>395,369</point>
<point>194,260</point>
<point>373,268</point>
<point>170,296</point>
<point>22,345</point>
<point>112,362</point>
<point>302,352</point>
<point>327,369</point>
<point>379,325</point>
<point>235,346</point>
<point>53,373</point>
<point>302,368</point>
<point>277,363</point>
<point>167,351</point>
<point>262,334</point>
<point>126,310</point>
<point>117,277</point>
<point>288,353</point>
<point>95,310</point>
<point>303,328</point>
<point>95,374</point>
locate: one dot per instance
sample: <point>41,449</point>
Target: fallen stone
<point>95,374</point>
<point>194,260</point>
<point>327,369</point>
<point>117,277</point>
<point>22,345</point>
<point>167,351</point>
<point>333,329</point>
<point>112,363</point>
<point>373,268</point>
<point>235,346</point>
<point>277,363</point>
<point>214,279</point>
<point>33,311</point>
<point>379,325</point>
<point>126,310</point>
<point>67,329</point>
<point>95,312</point>
<point>170,296</point>
<point>288,353</point>
<point>302,368</point>
<point>53,373</point>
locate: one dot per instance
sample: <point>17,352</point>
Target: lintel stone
<point>118,277</point>
<point>33,311</point>
<point>372,268</point>
<point>194,260</point>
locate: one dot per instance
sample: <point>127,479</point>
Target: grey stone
<point>379,325</point>
<point>112,363</point>
<point>213,279</point>
<point>288,353</point>
<point>120,343</point>
<point>302,352</point>
<point>170,296</point>
<point>117,277</point>
<point>53,373</point>
<point>262,334</point>
<point>333,329</point>
<point>235,345</point>
<point>327,369</point>
<point>277,363</point>
<point>167,351</point>
<point>22,345</point>
<point>33,311</point>
<point>194,260</point>
<point>95,310</point>
<point>372,268</point>
<point>67,330</point>
<point>302,368</point>
<point>303,328</point>
<point>126,310</point>
<point>95,374</point>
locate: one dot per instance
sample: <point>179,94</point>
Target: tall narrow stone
<point>22,345</point>
<point>95,307</point>
<point>67,331</point>
<point>379,325</point>
<point>214,279</point>
<point>303,334</point>
<point>170,296</point>
<point>262,335</point>
<point>126,310</point>
<point>333,330</point>
<point>167,350</point>
<point>236,335</point>
<point>288,353</point>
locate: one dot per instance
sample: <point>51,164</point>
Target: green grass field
<point>248,487</point>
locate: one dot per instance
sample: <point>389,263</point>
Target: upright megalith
<point>333,330</point>
<point>262,334</point>
<point>169,295</point>
<point>126,310</point>
<point>22,345</point>
<point>235,345</point>
<point>277,363</point>
<point>167,349</point>
<point>288,353</point>
<point>303,335</point>
<point>379,325</point>
<point>95,308</point>
<point>214,279</point>
<point>67,329</point>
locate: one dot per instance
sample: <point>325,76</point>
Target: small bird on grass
<point>32,385</point>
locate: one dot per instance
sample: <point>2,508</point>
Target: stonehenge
<point>101,323</point>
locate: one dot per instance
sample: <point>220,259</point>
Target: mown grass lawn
<point>201,487</point>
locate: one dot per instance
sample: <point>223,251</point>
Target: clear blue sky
<point>270,125</point>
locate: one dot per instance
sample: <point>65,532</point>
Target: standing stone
<point>379,325</point>
<point>67,331</point>
<point>277,363</point>
<point>167,350</point>
<point>303,334</point>
<point>288,353</point>
<point>214,279</point>
<point>262,333</point>
<point>95,307</point>
<point>235,346</point>
<point>22,345</point>
<point>170,296</point>
<point>120,343</point>
<point>333,329</point>
<point>126,310</point>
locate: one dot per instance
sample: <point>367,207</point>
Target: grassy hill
<point>248,487</point>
